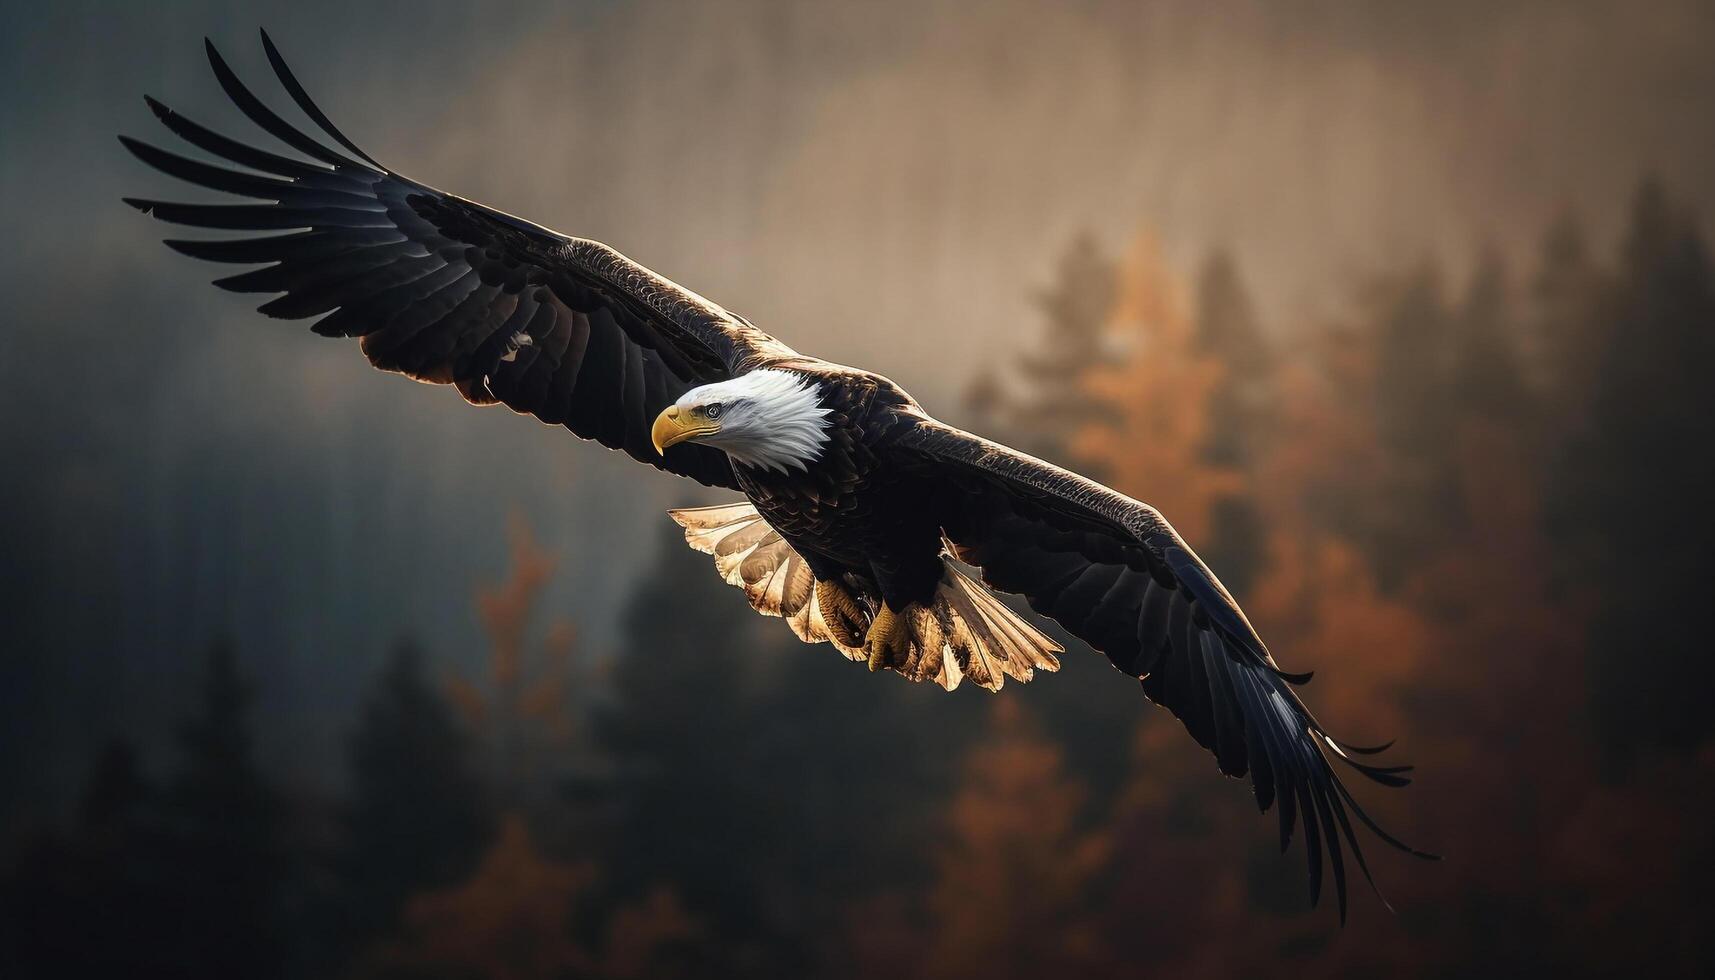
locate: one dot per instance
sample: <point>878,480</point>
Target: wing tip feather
<point>296,90</point>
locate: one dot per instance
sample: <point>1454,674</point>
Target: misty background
<point>890,185</point>
<point>881,185</point>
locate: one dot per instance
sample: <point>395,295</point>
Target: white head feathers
<point>769,419</point>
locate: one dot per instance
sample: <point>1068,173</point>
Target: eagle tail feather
<point>967,633</point>
<point>963,632</point>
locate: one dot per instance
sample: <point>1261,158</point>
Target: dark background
<point>1403,315</point>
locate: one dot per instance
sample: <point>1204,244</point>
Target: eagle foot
<point>843,614</point>
<point>888,642</point>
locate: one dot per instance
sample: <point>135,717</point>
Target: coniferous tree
<point>1015,890</point>
<point>225,847</point>
<point>1633,484</point>
<point>765,781</point>
<point>1227,330</point>
<point>1414,337</point>
<point>1560,346</point>
<point>861,765</point>
<point>682,736</point>
<point>1077,310</point>
<point>93,902</point>
<point>522,707</point>
<point>419,817</point>
<point>510,920</point>
<point>514,918</point>
<point>1487,371</point>
<point>117,791</point>
<point>1491,406</point>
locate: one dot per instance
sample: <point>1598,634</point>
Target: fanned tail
<point>964,631</point>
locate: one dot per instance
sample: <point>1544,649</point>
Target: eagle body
<point>861,513</point>
<point>853,511</point>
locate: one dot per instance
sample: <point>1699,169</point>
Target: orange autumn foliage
<point>537,689</point>
<point>523,709</point>
<point>1014,870</point>
<point>1150,440</point>
<point>513,920</point>
<point>509,921</point>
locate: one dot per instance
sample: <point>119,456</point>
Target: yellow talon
<point>842,614</point>
<point>888,641</point>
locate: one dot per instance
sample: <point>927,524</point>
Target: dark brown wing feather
<point>448,291</point>
<point>1115,574</point>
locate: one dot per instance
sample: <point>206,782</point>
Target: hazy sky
<point>838,171</point>
<point>883,184</point>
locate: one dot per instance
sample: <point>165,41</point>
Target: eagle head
<point>768,419</point>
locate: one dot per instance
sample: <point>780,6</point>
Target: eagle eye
<point>713,411</point>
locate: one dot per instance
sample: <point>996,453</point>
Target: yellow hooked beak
<point>673,427</point>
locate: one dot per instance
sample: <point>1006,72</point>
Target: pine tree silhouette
<point>93,902</point>
<point>521,709</point>
<point>1633,484</point>
<point>224,842</point>
<point>1014,893</point>
<point>1561,346</point>
<point>1077,311</point>
<point>1488,377</point>
<point>418,818</point>
<point>1240,408</point>
<point>683,735</point>
<point>1414,333</point>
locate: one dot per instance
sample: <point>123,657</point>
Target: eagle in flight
<point>857,502</point>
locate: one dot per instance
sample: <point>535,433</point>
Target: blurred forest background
<point>1406,319</point>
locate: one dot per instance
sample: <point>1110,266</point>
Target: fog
<point>887,185</point>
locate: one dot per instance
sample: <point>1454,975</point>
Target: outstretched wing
<point>1115,574</point>
<point>448,291</point>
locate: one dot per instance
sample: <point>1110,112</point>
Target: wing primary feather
<point>1287,800</point>
<point>378,307</point>
<point>258,217</point>
<point>1386,775</point>
<point>1257,747</point>
<point>308,105</point>
<point>265,117</point>
<point>1376,828</point>
<point>1362,749</point>
<point>230,149</point>
<point>325,197</point>
<point>1304,789</point>
<point>1280,756</point>
<point>1200,711</point>
<point>314,274</point>
<point>1357,849</point>
<point>1321,798</point>
<point>206,175</point>
<point>1312,836</point>
<point>304,251</point>
<point>248,251</point>
<point>1223,697</point>
<point>1172,673</point>
<point>1276,754</point>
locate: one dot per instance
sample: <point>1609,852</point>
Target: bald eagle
<point>859,507</point>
